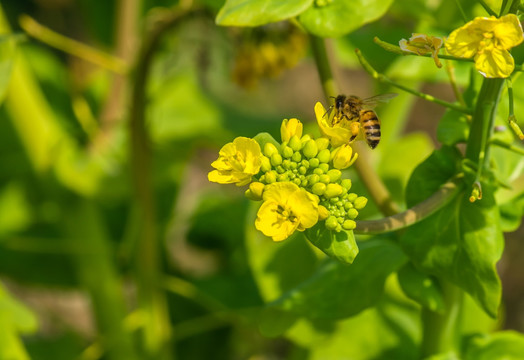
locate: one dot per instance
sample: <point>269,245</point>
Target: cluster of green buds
<point>316,167</point>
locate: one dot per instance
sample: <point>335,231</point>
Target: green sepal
<point>259,12</point>
<point>338,245</point>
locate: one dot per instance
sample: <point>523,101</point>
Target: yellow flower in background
<point>289,128</point>
<point>338,133</point>
<point>422,44</point>
<point>286,208</point>
<point>488,40</point>
<point>237,162</point>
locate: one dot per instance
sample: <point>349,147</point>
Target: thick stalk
<point>369,177</point>
<point>440,330</point>
<point>152,300</point>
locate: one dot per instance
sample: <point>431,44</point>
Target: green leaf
<point>452,128</point>
<point>421,288</point>
<point>259,12</point>
<point>463,241</point>
<point>504,345</point>
<point>339,17</point>
<point>338,245</point>
<point>337,291</point>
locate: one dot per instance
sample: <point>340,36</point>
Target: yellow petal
<point>495,63</point>
<point>508,32</point>
<point>464,41</point>
<point>337,135</point>
<point>271,224</point>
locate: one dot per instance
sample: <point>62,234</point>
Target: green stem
<point>440,330</point>
<point>413,215</point>
<point>367,174</point>
<point>71,46</point>
<point>386,80</point>
<point>152,301</point>
<point>487,8</point>
<point>510,147</point>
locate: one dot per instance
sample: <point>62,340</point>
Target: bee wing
<point>377,99</point>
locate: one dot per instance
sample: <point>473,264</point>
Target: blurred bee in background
<point>359,115</point>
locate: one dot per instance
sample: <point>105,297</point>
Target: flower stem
<point>369,177</point>
<point>413,215</point>
<point>384,79</point>
<point>487,8</point>
<point>152,301</point>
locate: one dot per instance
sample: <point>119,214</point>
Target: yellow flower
<point>422,44</point>
<point>286,208</point>
<point>343,157</point>
<point>488,40</point>
<point>289,128</point>
<point>237,162</point>
<point>338,133</point>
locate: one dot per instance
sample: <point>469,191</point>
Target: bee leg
<point>355,129</point>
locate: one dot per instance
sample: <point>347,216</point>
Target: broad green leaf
<point>452,128</point>
<point>421,288</point>
<point>389,330</point>
<point>461,242</point>
<point>504,345</point>
<point>259,12</point>
<point>338,245</point>
<point>339,17</point>
<point>337,291</point>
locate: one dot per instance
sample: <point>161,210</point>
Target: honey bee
<point>359,115</point>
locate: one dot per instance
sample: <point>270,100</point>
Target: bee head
<point>339,101</point>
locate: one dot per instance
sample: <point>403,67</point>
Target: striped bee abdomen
<point>371,126</point>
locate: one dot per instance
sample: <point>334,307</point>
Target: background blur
<point>65,166</point>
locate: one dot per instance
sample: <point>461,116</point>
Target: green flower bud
<point>280,169</point>
<point>305,138</point>
<point>349,225</point>
<point>276,159</point>
<point>332,223</point>
<point>293,165</point>
<point>255,191</point>
<point>352,213</point>
<point>287,152</point>
<point>324,167</point>
<point>305,163</point>
<point>304,183</point>
<point>324,178</point>
<point>351,197</point>
<point>271,177</point>
<point>322,143</point>
<point>324,155</point>
<point>310,149</point>
<point>314,162</point>
<point>360,202</point>
<point>348,205</point>
<point>346,183</point>
<point>265,164</point>
<point>333,190</point>
<point>283,177</point>
<point>318,171</point>
<point>318,188</point>
<point>297,181</point>
<point>313,179</point>
<point>270,149</point>
<point>334,174</point>
<point>302,170</point>
<point>295,143</point>
<point>297,157</point>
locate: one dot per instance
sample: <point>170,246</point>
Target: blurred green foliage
<point>69,222</point>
